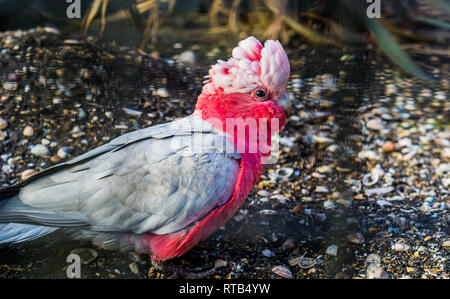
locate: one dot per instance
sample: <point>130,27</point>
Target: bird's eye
<point>260,93</point>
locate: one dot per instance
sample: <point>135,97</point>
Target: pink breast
<point>164,247</point>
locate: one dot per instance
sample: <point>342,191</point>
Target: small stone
<point>85,73</point>
<point>10,86</point>
<point>81,113</point>
<point>369,155</point>
<point>446,243</point>
<point>375,124</point>
<point>28,173</point>
<point>322,140</point>
<point>40,150</point>
<point>445,153</point>
<point>321,189</point>
<point>400,246</point>
<point>28,131</point>
<point>328,204</point>
<point>267,253</point>
<point>388,147</point>
<point>332,250</point>
<point>77,132</point>
<point>359,197</point>
<point>355,238</point>
<point>63,152</point>
<point>298,210</point>
<point>220,263</point>
<point>283,272</point>
<point>132,112</point>
<point>373,259</point>
<point>55,159</point>
<point>3,124</point>
<point>187,57</point>
<point>376,272</point>
<point>3,135</point>
<point>57,100</point>
<point>263,193</point>
<point>324,169</point>
<point>134,268</point>
<point>109,114</point>
<point>162,92</point>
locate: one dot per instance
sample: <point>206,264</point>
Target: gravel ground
<point>360,190</point>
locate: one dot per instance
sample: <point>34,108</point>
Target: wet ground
<point>360,190</point>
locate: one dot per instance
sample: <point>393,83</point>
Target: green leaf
<point>434,22</point>
<point>393,50</point>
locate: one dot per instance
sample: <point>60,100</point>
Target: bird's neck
<point>249,124</point>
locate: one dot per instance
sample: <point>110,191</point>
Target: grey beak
<point>285,102</point>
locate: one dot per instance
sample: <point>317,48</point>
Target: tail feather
<point>16,232</point>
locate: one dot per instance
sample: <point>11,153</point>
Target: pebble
<point>63,152</point>
<point>162,92</point>
<point>375,124</point>
<point>400,246</point>
<point>332,250</point>
<point>321,189</point>
<point>263,193</point>
<point>28,173</point>
<point>40,150</point>
<point>220,263</point>
<point>388,147</point>
<point>267,253</point>
<point>373,259</point>
<point>355,238</point>
<point>187,57</point>
<point>3,124</point>
<point>57,100</point>
<point>376,272</point>
<point>132,112</point>
<point>55,159</point>
<point>369,155</point>
<point>28,131</point>
<point>134,268</point>
<point>328,204</point>
<point>283,272</point>
<point>109,114</point>
<point>10,86</point>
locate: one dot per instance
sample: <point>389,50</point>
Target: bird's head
<point>248,85</point>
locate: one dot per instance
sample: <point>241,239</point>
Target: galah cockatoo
<point>162,189</point>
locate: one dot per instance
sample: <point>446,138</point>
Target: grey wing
<point>149,182</point>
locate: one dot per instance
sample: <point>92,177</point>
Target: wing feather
<point>158,180</point>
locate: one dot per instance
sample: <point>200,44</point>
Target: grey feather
<point>159,180</point>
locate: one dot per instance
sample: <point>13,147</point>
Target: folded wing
<point>157,180</point>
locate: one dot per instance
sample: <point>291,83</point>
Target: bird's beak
<point>285,102</point>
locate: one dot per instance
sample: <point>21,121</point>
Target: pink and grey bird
<point>162,189</point>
